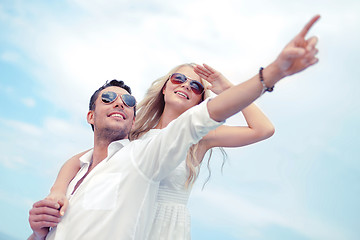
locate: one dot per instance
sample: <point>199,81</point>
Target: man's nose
<point>119,103</point>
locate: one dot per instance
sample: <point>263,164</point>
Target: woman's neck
<point>168,115</point>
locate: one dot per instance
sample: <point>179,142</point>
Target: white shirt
<point>117,198</point>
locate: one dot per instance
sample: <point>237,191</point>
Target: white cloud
<point>15,199</point>
<point>13,161</point>
<point>50,144</point>
<point>58,127</point>
<point>10,57</point>
<point>103,45</point>
<point>248,217</point>
<point>6,89</point>
<point>29,102</point>
<point>23,127</point>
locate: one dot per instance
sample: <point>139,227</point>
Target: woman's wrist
<point>228,85</point>
<point>58,187</point>
<point>272,74</point>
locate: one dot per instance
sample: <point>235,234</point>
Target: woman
<point>182,90</point>
<point>167,98</point>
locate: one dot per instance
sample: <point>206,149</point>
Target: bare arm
<point>45,213</point>
<point>66,174</point>
<point>297,55</point>
<point>259,126</point>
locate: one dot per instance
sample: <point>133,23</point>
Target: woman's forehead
<point>189,72</point>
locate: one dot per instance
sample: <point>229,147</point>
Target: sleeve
<point>157,156</point>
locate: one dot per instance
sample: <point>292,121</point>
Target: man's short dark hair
<point>112,83</point>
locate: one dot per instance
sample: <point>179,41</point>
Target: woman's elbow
<point>269,131</point>
<point>266,132</point>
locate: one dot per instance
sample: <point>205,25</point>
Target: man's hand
<point>43,215</point>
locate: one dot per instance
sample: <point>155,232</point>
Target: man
<point>114,192</point>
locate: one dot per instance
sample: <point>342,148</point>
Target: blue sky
<point>303,183</point>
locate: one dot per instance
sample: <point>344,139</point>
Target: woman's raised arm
<point>297,55</point>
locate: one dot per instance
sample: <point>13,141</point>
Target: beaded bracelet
<point>265,88</point>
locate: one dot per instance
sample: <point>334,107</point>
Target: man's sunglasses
<point>110,97</point>
<point>178,78</point>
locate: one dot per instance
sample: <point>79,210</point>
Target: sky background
<point>301,184</point>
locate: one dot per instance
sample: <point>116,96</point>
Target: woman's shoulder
<point>151,133</point>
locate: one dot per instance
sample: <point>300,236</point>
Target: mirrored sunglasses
<point>110,97</point>
<point>179,78</point>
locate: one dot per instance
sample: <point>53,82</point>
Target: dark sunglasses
<point>110,97</point>
<point>178,78</point>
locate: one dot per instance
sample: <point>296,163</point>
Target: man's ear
<point>133,123</point>
<point>90,117</point>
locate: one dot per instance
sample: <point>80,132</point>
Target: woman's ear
<point>163,89</point>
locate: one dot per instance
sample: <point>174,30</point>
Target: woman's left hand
<point>218,82</point>
<point>61,199</point>
<point>299,53</point>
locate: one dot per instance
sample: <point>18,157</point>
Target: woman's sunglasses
<point>110,97</point>
<point>178,78</point>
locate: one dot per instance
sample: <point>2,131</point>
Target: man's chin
<point>115,134</point>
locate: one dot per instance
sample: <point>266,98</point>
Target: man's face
<point>112,121</point>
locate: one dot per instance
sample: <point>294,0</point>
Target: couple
<point>128,190</point>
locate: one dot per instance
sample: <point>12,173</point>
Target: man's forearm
<point>34,237</point>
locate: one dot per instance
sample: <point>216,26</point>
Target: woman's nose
<point>186,85</point>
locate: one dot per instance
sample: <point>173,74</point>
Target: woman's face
<point>180,95</point>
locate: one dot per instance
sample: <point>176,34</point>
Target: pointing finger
<point>307,27</point>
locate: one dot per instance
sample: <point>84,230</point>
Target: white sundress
<point>172,218</point>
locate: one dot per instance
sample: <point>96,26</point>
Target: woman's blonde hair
<point>149,112</point>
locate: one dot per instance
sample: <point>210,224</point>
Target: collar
<point>112,149</point>
<point>87,157</point>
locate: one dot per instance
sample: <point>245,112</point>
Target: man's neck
<point>100,152</point>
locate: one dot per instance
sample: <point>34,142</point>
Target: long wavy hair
<point>149,112</point>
